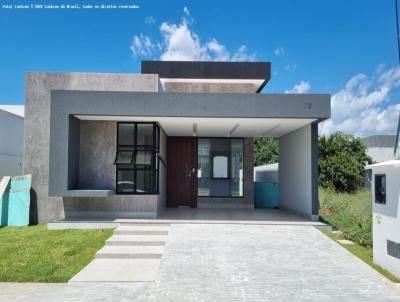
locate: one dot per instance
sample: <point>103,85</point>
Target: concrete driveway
<point>237,262</point>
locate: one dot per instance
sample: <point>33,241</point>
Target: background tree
<point>342,158</point>
<point>266,151</point>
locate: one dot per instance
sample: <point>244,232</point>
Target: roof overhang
<point>232,114</point>
<point>255,73</point>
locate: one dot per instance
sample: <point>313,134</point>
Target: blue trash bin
<point>266,195</point>
<point>15,202</point>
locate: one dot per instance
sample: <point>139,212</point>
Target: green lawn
<point>364,253</point>
<point>349,213</point>
<point>35,254</point>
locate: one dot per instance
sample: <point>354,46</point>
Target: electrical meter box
<point>385,187</point>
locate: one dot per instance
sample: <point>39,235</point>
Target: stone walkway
<point>131,254</point>
<point>216,262</point>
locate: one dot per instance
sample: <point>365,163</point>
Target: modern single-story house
<point>11,139</point>
<point>180,134</point>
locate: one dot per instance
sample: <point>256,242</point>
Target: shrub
<point>266,151</point>
<point>342,158</point>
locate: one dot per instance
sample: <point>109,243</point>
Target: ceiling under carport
<point>215,127</point>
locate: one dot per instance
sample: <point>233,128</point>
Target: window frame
<point>120,151</point>
<point>154,167</point>
<point>379,194</point>
<point>229,166</point>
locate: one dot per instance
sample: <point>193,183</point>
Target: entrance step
<point>130,252</point>
<point>118,270</point>
<point>137,240</point>
<point>141,230</point>
<point>136,222</point>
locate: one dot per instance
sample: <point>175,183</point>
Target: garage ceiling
<point>215,127</point>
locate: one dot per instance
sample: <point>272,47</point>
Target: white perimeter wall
<point>295,178</point>
<point>386,219</point>
<point>11,144</point>
<point>380,154</point>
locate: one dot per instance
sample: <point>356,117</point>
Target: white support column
<point>298,181</point>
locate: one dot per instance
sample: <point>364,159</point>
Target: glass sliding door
<point>220,167</point>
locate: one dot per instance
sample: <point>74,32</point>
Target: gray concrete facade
<point>39,86</point>
<point>63,152</point>
<point>97,149</point>
<point>98,142</point>
<point>66,103</point>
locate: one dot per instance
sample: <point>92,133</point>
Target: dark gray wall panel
<point>73,153</point>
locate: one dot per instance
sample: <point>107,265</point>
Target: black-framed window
<point>136,158</point>
<point>380,188</point>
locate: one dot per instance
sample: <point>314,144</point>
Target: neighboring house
<point>380,147</point>
<point>11,139</point>
<point>180,134</point>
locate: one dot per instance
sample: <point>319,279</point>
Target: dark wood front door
<point>182,172</point>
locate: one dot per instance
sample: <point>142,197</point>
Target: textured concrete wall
<point>210,87</point>
<point>37,125</point>
<point>98,141</point>
<point>116,206</point>
<point>247,201</point>
<point>295,171</point>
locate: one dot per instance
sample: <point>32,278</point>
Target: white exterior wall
<point>11,143</point>
<point>295,178</point>
<point>380,154</point>
<point>386,219</point>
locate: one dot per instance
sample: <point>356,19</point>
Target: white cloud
<point>149,20</point>
<point>302,87</point>
<point>361,107</point>
<point>279,51</point>
<point>142,46</point>
<point>242,55</point>
<point>218,50</point>
<point>186,11</point>
<point>180,43</point>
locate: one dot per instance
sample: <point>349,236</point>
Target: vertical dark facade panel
<point>73,152</point>
<point>314,168</point>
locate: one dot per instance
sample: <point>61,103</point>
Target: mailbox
<point>385,186</point>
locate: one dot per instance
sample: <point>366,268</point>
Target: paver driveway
<point>210,262</point>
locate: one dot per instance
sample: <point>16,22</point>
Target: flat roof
<point>209,70</point>
<point>383,141</point>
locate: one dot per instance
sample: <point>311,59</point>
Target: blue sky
<point>345,48</point>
